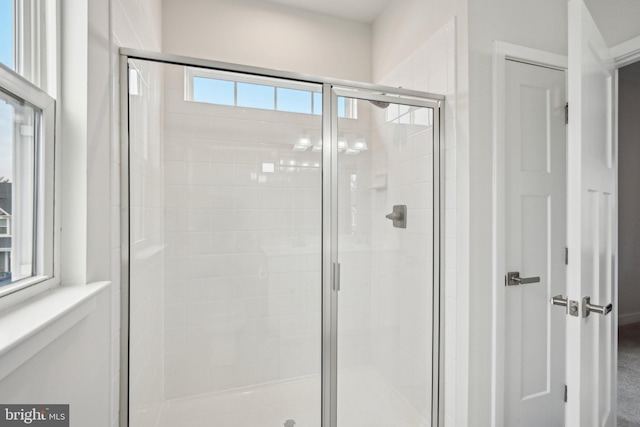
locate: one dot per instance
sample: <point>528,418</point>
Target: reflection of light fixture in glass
<point>342,144</point>
<point>351,151</point>
<point>303,143</point>
<point>360,145</point>
<point>318,147</point>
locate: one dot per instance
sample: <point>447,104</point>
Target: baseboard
<point>626,319</point>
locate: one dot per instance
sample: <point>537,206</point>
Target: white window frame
<point>32,23</point>
<point>45,215</point>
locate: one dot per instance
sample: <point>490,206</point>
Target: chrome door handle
<point>571,307</point>
<point>587,308</point>
<point>513,279</point>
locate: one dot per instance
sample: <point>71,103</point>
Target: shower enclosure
<point>281,249</point>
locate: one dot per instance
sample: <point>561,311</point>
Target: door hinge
<point>565,392</point>
<point>566,113</point>
<point>566,256</point>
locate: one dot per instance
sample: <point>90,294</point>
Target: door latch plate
<point>574,308</point>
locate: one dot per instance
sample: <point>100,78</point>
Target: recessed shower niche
<point>264,283</point>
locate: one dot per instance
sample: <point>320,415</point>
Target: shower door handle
<point>335,270</point>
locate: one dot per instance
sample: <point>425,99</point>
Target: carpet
<point>629,375</point>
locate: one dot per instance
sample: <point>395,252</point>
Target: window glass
<point>317,103</point>
<point>341,107</point>
<point>6,32</point>
<point>256,96</point>
<point>242,94</point>
<point>213,91</point>
<point>17,187</point>
<point>294,101</point>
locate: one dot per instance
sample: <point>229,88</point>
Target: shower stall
<point>281,249</point>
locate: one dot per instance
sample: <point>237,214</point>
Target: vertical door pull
<point>336,275</point>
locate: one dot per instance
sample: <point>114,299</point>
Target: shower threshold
<point>367,400</point>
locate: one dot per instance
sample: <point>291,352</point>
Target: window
<point>27,130</point>
<point>6,33</point>
<point>4,226</point>
<point>225,88</point>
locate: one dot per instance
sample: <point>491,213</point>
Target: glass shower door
<point>386,190</point>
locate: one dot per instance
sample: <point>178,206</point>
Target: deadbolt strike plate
<point>574,308</point>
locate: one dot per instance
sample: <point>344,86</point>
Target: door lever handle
<point>513,279</point>
<point>587,308</point>
<point>560,300</point>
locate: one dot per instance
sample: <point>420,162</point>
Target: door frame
<point>501,53</point>
<point>625,53</point>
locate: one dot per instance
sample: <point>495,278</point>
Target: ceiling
<point>617,19</point>
<point>356,10</point>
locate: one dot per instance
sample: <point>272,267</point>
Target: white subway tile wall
<point>147,334</point>
<point>243,256</point>
<point>432,68</point>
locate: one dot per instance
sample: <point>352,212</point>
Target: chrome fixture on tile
<point>398,216</point>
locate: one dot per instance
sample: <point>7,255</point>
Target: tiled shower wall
<point>146,296</point>
<point>432,68</point>
<point>243,234</point>
<point>402,275</point>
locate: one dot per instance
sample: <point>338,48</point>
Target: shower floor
<point>365,400</point>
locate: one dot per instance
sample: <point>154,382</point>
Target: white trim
<point>501,53</point>
<point>529,55</point>
<point>616,215</point>
<point>627,52</point>
<point>31,326</point>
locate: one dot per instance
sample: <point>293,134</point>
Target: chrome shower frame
<point>332,89</point>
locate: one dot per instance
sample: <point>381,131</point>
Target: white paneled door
<point>535,231</point>
<point>592,211</point>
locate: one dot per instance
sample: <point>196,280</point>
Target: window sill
<point>28,327</point>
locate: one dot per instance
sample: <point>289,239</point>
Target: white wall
<point>518,23</point>
<point>72,370</point>
<point>629,203</point>
<point>268,35</point>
